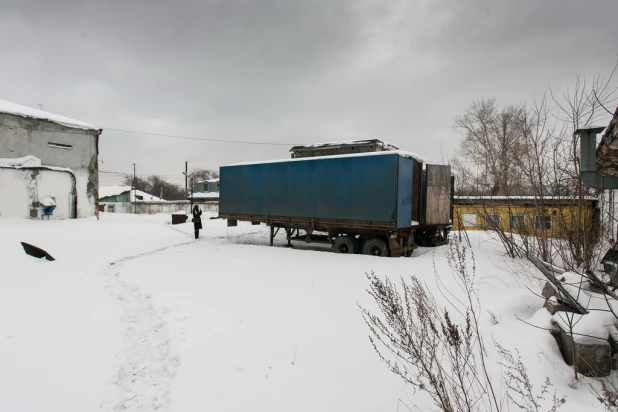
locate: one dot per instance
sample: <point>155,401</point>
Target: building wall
<point>200,187</point>
<point>205,186</point>
<point>159,207</point>
<point>22,136</point>
<point>564,218</point>
<point>21,190</point>
<point>212,186</point>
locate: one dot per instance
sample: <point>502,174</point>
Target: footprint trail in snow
<point>149,364</point>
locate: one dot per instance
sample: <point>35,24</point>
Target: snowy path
<point>146,370</point>
<point>143,379</point>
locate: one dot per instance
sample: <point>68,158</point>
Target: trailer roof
<point>401,153</point>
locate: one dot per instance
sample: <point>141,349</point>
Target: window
<point>470,219</point>
<point>517,221</point>
<point>139,197</point>
<point>492,221</point>
<point>111,208</point>
<point>60,146</point>
<point>543,221</point>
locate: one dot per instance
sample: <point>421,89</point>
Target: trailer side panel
<point>360,188</point>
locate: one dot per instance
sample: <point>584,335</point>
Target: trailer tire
<point>375,247</point>
<point>356,242</point>
<point>344,244</point>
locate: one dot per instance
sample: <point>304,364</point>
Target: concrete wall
<point>22,136</point>
<point>21,190</point>
<point>159,207</point>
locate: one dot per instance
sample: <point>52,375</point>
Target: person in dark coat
<point>197,220</point>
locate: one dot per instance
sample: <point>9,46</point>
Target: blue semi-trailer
<point>370,203</point>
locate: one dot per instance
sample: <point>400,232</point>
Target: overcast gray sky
<point>289,71</point>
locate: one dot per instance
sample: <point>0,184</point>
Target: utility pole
<point>134,192</point>
<point>186,173</point>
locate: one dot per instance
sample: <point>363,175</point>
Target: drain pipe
<point>588,154</point>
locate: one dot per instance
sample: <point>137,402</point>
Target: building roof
<point>209,181</point>
<point>107,191</point>
<point>523,197</point>
<point>385,145</point>
<point>481,201</point>
<point>25,111</point>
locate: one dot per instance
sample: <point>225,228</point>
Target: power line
<point>203,138</point>
<point>162,135</point>
<point>139,174</point>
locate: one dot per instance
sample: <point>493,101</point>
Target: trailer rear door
<point>438,197</point>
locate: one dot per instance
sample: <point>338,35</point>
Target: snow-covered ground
<point>134,314</point>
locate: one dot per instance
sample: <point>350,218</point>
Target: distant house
<point>555,216</point>
<point>206,186</point>
<point>118,199</point>
<point>46,156</point>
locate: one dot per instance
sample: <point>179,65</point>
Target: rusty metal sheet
<point>438,196</point>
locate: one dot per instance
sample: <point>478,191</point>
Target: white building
<point>123,199</point>
<point>46,156</point>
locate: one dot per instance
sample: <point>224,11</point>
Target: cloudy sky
<point>288,71</point>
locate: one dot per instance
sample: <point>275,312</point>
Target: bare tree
<point>492,141</point>
<point>198,174</point>
<point>156,186</point>
<point>138,183</point>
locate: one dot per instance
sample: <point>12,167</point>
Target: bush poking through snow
<point>420,342</point>
<point>609,397</point>
<point>519,389</point>
<point>494,318</point>
<point>419,336</point>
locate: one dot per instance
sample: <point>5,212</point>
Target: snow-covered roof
<point>401,153</point>
<point>523,197</point>
<point>347,143</point>
<point>25,111</point>
<point>29,161</point>
<point>106,191</point>
<point>202,195</point>
<point>26,161</point>
<point>209,181</point>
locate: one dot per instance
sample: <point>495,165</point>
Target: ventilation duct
<point>588,153</point>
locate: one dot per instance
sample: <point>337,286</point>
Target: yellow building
<point>551,216</point>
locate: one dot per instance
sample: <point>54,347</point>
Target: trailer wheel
<point>356,242</point>
<point>343,244</point>
<point>375,247</point>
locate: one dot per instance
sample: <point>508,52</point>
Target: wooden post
<point>272,235</point>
